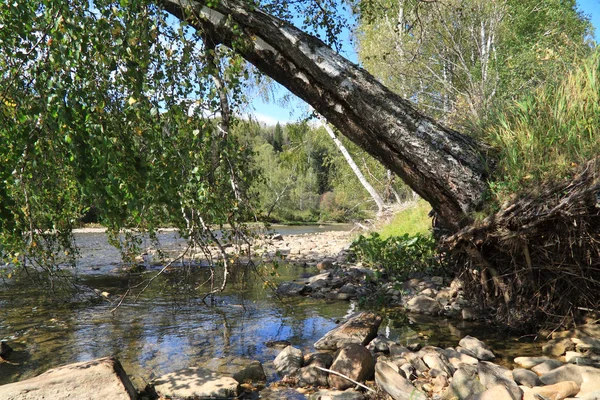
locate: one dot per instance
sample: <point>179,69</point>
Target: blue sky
<point>271,112</point>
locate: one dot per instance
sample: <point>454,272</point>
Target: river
<point>169,327</point>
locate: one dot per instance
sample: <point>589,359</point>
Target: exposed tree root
<point>537,259</point>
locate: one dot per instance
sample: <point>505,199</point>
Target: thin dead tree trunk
<point>363,181</point>
<point>441,165</point>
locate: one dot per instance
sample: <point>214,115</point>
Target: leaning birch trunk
<point>363,181</point>
<point>441,165</point>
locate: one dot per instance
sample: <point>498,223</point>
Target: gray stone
<point>574,357</point>
<point>288,361</point>
<point>353,361</point>
<point>323,360</point>
<point>547,366</point>
<point>408,370</point>
<point>360,328</point>
<point>240,369</point>
<point>557,347</point>
<point>465,383</point>
<point>99,379</point>
<point>526,377</point>
<point>439,362</point>
<point>380,344</point>
<point>498,392</point>
<point>557,391</point>
<point>491,375</point>
<point>196,382</point>
<point>424,305</point>
<point>586,343</point>
<point>398,351</point>
<point>529,362</point>
<point>320,277</point>
<point>311,376</point>
<point>394,384</point>
<point>291,289</point>
<point>567,372</point>
<point>456,359</point>
<point>479,349</point>
<point>324,265</point>
<point>337,395</point>
<point>590,380</point>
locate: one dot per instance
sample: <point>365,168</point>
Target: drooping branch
<point>440,164</point>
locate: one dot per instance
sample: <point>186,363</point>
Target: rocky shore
<point>354,360</point>
<point>351,362</point>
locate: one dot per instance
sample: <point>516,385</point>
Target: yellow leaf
<point>131,101</point>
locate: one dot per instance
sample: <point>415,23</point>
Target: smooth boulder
<point>99,379</point>
<point>196,382</point>
<point>353,361</point>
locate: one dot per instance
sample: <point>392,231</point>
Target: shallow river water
<point>169,327</point>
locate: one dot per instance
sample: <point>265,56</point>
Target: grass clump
<point>412,220</point>
<point>548,134</point>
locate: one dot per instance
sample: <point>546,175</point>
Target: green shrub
<point>397,256</point>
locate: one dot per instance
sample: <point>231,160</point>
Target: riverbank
<point>354,361</point>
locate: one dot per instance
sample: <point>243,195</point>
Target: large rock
<point>492,375</point>
<point>240,369</point>
<point>465,383</point>
<point>456,359</point>
<point>529,362</point>
<point>424,305</point>
<point>547,366</point>
<point>498,392</point>
<point>288,361</point>
<point>558,391</point>
<point>526,377</point>
<point>475,346</point>
<point>360,329</point>
<point>568,372</point>
<point>313,374</point>
<point>353,361</point>
<point>394,384</point>
<point>439,362</point>
<point>291,289</point>
<point>99,379</point>
<point>196,382</point>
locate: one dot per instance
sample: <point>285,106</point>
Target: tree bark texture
<point>441,165</point>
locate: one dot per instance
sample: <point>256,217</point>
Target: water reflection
<point>170,327</point>
<point>167,329</point>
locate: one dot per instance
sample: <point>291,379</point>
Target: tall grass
<point>412,220</point>
<point>549,133</point>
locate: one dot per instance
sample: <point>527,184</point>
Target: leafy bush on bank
<point>398,256</point>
